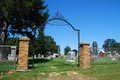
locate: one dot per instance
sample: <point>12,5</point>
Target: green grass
<point>104,61</point>
<point>100,70</point>
<point>103,72</point>
<point>6,65</point>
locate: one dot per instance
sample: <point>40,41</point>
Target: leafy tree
<point>109,45</point>
<point>74,50</point>
<point>50,45</point>
<point>22,15</point>
<point>66,49</point>
<point>94,48</point>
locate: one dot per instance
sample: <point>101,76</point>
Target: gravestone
<point>13,51</point>
<point>114,54</point>
<point>0,54</point>
<point>113,59</point>
<point>34,56</point>
<point>109,54</point>
<point>39,55</point>
<point>94,58</point>
<point>42,56</point>
<point>71,56</point>
<point>49,56</point>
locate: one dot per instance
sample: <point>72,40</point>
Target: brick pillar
<point>23,53</point>
<point>84,54</point>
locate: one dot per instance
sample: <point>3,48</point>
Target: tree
<point>5,14</point>
<point>22,15</point>
<point>58,49</point>
<point>50,44</point>
<point>66,49</point>
<point>117,45</point>
<point>74,50</point>
<point>40,43</point>
<point>43,44</point>
<point>109,45</point>
<point>94,48</point>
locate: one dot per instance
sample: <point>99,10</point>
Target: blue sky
<point>97,20</point>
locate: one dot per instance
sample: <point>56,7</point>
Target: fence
<point>101,56</point>
<point>7,57</point>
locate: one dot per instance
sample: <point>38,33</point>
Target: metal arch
<point>35,27</point>
<point>58,19</point>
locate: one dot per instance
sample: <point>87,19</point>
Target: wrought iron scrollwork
<point>58,15</point>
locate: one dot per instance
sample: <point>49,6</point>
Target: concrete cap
<point>84,43</point>
<point>24,38</point>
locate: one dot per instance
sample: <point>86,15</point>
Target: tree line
<point>109,45</point>
<point>41,46</point>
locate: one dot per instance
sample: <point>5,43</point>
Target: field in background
<point>59,69</point>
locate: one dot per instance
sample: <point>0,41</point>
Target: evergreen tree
<point>94,48</point>
<point>40,43</point>
<point>22,15</point>
<point>58,49</point>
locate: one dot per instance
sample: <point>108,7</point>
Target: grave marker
<point>71,56</point>
<point>113,59</point>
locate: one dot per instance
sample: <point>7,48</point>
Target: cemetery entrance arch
<point>57,16</point>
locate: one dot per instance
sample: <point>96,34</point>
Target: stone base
<point>20,68</point>
<point>11,58</point>
<point>85,66</point>
<point>70,60</point>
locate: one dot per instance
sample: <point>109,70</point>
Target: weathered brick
<point>23,53</point>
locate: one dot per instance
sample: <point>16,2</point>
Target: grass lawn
<point>58,69</point>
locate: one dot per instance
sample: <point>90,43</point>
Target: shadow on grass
<point>104,63</point>
<point>30,61</point>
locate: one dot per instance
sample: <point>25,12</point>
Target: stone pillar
<point>84,54</point>
<point>23,53</point>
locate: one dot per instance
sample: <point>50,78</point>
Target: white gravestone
<point>113,59</point>
<point>39,55</point>
<point>13,51</point>
<point>34,56</point>
<point>71,56</point>
<point>42,56</point>
<point>49,56</point>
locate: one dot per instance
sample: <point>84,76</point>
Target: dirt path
<point>64,75</point>
<point>67,75</point>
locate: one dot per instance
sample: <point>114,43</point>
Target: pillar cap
<point>84,43</point>
<point>24,38</point>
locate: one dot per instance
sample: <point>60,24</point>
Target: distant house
<point>102,54</point>
<point>56,55</point>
